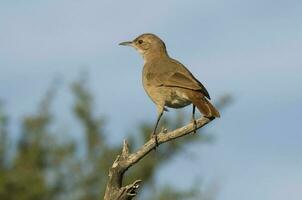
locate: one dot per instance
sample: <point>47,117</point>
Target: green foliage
<point>45,168</point>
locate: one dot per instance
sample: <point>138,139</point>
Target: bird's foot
<point>210,117</point>
<point>154,137</point>
<point>194,125</point>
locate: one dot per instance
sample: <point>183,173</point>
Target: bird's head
<point>148,45</point>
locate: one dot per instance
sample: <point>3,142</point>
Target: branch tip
<point>125,151</point>
<point>164,130</point>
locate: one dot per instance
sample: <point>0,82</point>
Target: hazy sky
<point>250,49</point>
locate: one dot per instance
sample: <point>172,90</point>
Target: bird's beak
<point>129,43</point>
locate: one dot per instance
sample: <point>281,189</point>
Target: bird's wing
<point>172,73</point>
<point>184,80</point>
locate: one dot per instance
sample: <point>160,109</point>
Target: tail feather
<point>203,105</point>
<point>214,111</point>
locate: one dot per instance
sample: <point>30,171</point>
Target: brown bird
<point>168,82</point>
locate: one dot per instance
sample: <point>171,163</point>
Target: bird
<point>168,82</point>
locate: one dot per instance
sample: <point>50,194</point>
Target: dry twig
<point>114,188</point>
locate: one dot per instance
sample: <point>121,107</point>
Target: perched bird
<point>168,82</point>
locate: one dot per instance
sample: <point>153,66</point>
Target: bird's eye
<point>140,41</point>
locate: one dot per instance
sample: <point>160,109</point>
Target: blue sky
<point>250,49</point>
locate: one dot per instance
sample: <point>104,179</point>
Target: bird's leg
<point>193,119</point>
<point>160,112</point>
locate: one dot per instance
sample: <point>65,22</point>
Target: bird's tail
<point>203,105</point>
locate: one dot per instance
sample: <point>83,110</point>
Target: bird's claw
<point>154,137</point>
<point>194,125</point>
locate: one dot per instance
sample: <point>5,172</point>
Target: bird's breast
<point>167,96</point>
<point>162,95</point>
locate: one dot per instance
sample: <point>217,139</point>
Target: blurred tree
<point>46,168</point>
<point>3,135</point>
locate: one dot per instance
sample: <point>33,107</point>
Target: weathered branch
<point>114,189</point>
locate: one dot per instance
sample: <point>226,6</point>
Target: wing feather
<point>172,73</point>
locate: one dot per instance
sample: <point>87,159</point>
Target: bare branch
<point>114,189</point>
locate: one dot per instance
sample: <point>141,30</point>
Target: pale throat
<point>151,55</point>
